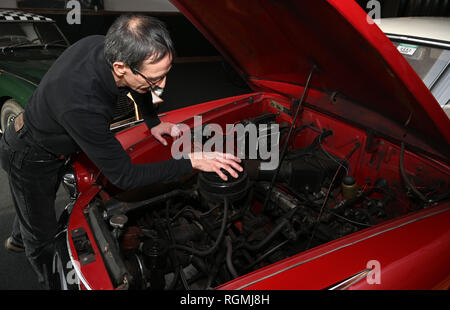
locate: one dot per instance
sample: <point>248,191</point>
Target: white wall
<point>8,4</point>
<point>139,5</point>
<point>120,5</point>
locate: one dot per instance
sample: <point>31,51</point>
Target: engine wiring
<point>322,207</point>
<point>285,146</point>
<point>357,145</point>
<point>405,178</point>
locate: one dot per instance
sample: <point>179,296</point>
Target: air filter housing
<point>214,189</point>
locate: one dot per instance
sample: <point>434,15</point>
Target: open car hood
<point>275,43</point>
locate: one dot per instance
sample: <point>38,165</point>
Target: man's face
<point>152,72</point>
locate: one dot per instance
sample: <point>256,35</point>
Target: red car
<point>359,199</point>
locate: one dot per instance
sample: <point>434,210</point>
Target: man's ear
<point>119,68</point>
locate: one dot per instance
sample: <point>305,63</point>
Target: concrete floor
<point>15,271</point>
<point>188,83</point>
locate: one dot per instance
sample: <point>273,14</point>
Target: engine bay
<point>202,232</point>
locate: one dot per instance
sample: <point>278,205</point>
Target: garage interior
<point>198,64</point>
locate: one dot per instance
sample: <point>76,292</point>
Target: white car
<point>425,43</point>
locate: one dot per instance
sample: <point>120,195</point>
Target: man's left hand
<point>165,129</point>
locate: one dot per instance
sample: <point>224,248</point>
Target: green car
<point>29,44</point>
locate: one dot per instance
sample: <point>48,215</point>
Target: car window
<point>28,33</point>
<point>11,33</point>
<point>432,65</point>
<point>49,33</point>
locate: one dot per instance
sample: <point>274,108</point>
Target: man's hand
<point>165,129</point>
<point>214,161</point>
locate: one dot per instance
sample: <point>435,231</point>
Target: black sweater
<point>72,110</point>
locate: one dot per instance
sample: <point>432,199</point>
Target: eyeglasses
<point>152,82</point>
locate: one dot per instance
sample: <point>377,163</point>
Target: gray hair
<point>134,38</point>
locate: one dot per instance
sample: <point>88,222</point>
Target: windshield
<point>432,65</point>
<point>28,33</point>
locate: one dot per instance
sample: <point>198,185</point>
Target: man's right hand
<point>214,161</point>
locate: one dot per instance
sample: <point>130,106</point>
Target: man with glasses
<point>72,110</point>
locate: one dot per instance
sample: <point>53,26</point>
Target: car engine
<point>202,232</point>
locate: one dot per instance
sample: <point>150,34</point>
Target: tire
<point>9,109</point>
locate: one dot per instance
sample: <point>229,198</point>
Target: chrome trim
<point>343,285</point>
<point>141,268</point>
<point>417,40</point>
<point>59,233</point>
<point>69,207</point>
<point>342,247</point>
<point>75,264</point>
<point>58,267</point>
<point>19,77</point>
<point>69,182</point>
<point>126,124</point>
<point>70,185</point>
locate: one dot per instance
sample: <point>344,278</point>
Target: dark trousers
<point>34,176</point>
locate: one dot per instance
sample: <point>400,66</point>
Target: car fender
<point>16,87</point>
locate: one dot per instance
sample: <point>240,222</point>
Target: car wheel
<point>10,109</point>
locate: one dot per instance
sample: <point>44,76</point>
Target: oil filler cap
<point>118,221</point>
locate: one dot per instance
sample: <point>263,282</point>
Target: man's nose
<point>162,83</point>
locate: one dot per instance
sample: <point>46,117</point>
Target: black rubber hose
<point>271,251</point>
<point>114,206</point>
<point>218,241</point>
<point>229,255</point>
<point>176,274</point>
<point>269,237</point>
<point>173,255</point>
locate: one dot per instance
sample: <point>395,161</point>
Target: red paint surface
<point>279,40</point>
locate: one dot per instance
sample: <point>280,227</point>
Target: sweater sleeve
<point>91,132</point>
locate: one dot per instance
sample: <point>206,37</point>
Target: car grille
<point>124,108</point>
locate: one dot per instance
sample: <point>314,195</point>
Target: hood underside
<point>281,40</point>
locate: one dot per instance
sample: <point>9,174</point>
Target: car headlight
<point>70,183</point>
